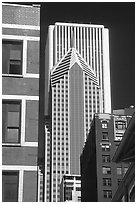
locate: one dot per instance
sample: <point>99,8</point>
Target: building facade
<point>20,96</point>
<point>92,43</point>
<point>70,188</point>
<point>99,174</point>
<point>126,153</point>
<point>77,56</point>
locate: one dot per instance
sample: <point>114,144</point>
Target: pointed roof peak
<point>65,64</point>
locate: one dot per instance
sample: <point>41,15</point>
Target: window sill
<point>12,75</point>
<point>103,140</point>
<point>11,145</point>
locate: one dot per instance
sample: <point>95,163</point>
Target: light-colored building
<point>92,43</point>
<point>77,56</point>
<point>70,188</point>
<point>20,97</point>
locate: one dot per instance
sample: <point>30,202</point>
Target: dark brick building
<point>100,176</point>
<point>126,153</point>
<point>20,96</point>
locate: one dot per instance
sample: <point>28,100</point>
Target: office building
<point>20,96</point>
<point>70,188</point>
<point>100,176</point>
<point>92,44</point>
<point>77,56</point>
<point>126,153</point>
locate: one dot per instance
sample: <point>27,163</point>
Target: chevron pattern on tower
<point>65,64</point>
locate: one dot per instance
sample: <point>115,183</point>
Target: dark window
<point>119,181</point>
<point>78,188</point>
<point>10,186</point>
<point>78,178</point>
<point>107,182</point>
<point>68,193</point>
<point>106,158</point>
<point>105,136</point>
<point>107,194</point>
<point>11,114</point>
<point>11,57</point>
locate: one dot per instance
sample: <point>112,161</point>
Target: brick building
<point>126,153</point>
<point>100,177</point>
<point>20,95</point>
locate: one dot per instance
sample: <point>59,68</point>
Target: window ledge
<point>107,140</point>
<point>12,75</point>
<point>10,145</point>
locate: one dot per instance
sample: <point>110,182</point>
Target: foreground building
<point>77,59</point>
<point>99,174</point>
<point>70,188</point>
<point>20,95</point>
<point>126,153</point>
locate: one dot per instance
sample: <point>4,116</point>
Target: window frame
<point>14,40</point>
<point>118,136</point>
<point>119,170</point>
<point>13,101</point>
<point>106,158</point>
<point>106,170</point>
<point>107,194</point>
<point>104,124</point>
<point>107,182</point>
<point>11,172</point>
<point>120,125</point>
<point>105,136</point>
<point>105,147</point>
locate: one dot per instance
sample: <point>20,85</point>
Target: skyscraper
<point>77,56</point>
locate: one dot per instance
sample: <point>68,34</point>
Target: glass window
<point>107,182</point>
<point>105,147</point>
<point>11,113</point>
<point>107,193</point>
<point>11,57</point>
<point>104,124</point>
<point>119,181</point>
<point>106,170</point>
<point>119,170</point>
<point>105,136</point>
<point>106,158</point>
<point>10,182</point>
<point>78,188</point>
<point>120,125</point>
<point>118,136</point>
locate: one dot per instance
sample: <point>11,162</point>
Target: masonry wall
<point>21,23</point>
<point>92,163</point>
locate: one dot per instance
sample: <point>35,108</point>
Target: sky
<point>119,18</point>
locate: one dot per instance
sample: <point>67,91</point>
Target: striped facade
<point>92,43</point>
<point>77,67</point>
